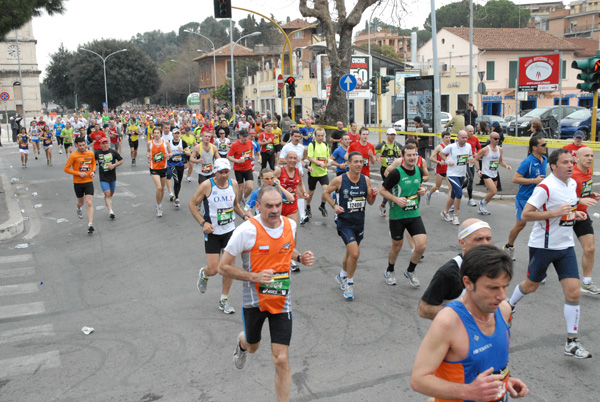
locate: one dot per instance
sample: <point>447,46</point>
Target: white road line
<point>29,364</point>
<point>20,289</point>
<point>23,334</point>
<point>16,272</point>
<point>9,259</point>
<point>19,310</point>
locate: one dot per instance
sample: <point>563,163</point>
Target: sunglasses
<point>542,145</point>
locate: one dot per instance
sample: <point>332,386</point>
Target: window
<point>299,35</point>
<point>512,73</point>
<point>563,69</point>
<point>490,70</point>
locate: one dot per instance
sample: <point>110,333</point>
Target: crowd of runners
<point>265,169</point>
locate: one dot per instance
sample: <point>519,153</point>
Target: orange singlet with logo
<point>158,156</point>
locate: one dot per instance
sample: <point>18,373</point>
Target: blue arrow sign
<point>348,82</point>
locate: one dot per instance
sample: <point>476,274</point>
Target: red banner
<point>539,73</point>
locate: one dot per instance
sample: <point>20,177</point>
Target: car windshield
<point>536,112</point>
<point>581,114</point>
<point>495,118</point>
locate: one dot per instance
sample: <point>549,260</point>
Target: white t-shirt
<point>554,233</point>
<point>167,137</point>
<point>243,125</point>
<point>299,149</point>
<point>460,157</point>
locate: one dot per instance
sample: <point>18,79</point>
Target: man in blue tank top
<point>354,191</point>
<point>470,339</point>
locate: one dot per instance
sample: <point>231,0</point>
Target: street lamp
<point>104,65</point>
<point>189,79</point>
<point>166,92</point>
<point>233,69</point>
<point>214,53</point>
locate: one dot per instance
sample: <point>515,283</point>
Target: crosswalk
<point>16,272</point>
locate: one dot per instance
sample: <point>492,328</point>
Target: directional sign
<point>481,88</point>
<point>4,96</point>
<point>539,73</point>
<point>280,81</point>
<point>348,82</point>
<point>290,80</point>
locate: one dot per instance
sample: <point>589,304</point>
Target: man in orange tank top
<point>82,165</point>
<point>266,245</point>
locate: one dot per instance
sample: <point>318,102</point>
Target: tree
<point>383,50</point>
<point>243,68</point>
<point>58,78</point>
<point>451,15</point>
<point>15,13</point>
<point>156,44</point>
<point>130,75</point>
<point>501,14</point>
<point>339,53</point>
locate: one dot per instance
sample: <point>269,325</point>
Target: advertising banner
<point>539,73</point>
<point>360,68</point>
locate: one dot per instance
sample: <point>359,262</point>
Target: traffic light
<point>373,84</point>
<point>279,92</point>
<point>291,90</point>
<point>590,73</point>
<point>229,93</point>
<point>222,8</point>
<point>385,83</point>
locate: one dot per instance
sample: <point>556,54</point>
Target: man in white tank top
<point>491,158</point>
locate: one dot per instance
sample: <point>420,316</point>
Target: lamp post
<point>166,92</point>
<point>189,78</point>
<point>233,69</point>
<point>214,53</point>
<point>104,66</point>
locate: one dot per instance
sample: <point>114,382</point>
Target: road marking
<point>29,364</point>
<point>9,259</point>
<point>23,334</point>
<point>16,272</point>
<point>20,289</point>
<point>20,310</point>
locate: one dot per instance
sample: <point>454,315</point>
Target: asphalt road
<point>156,337</point>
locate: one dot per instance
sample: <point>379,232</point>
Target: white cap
<point>391,131</point>
<point>221,164</point>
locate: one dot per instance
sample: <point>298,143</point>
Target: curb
<point>14,226</point>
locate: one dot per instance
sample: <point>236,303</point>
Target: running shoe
<point>80,213</point>
<point>36,158</point>
<point>590,288</point>
<point>451,209</point>
<point>308,212</point>
<point>349,292</point>
<point>239,356</point>
<point>294,267</point>
<point>172,197</point>
<point>390,278</point>
<point>412,278</point>
<point>455,220</point>
<point>133,162</point>
<point>225,307</point>
<point>90,229</point>
<point>112,215</point>
<point>49,163</point>
<point>427,197</point>
<point>471,203</point>
<point>159,211</point>
<point>382,210</point>
<point>189,179</point>
<point>574,348</point>
<point>60,152</point>
<point>323,211</point>
<point>481,209</point>
<point>510,251</point>
<point>177,203</point>
<point>341,281</point>
<point>304,220</point>
<point>202,281</point>
<point>445,215</point>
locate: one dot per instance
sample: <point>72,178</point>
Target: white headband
<point>473,228</point>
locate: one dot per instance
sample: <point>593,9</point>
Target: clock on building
<point>13,51</point>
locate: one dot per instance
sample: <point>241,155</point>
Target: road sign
<point>539,73</point>
<point>481,74</point>
<point>481,88</point>
<point>280,81</point>
<point>105,106</point>
<point>216,102</point>
<point>4,96</point>
<point>348,82</point>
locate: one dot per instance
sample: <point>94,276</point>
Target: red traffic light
<point>290,80</point>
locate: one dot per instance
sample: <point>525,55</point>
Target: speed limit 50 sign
<point>360,68</point>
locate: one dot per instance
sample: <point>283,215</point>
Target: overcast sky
<point>85,21</point>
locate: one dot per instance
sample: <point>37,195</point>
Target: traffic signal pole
<point>594,115</point>
<point>379,104</point>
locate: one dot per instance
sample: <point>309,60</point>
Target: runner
<point>47,138</point>
<point>530,173</point>
<point>34,133</point>
<point>457,156</point>
<point>241,155</point>
<point>464,355</point>
<point>366,149</point>
<point>108,159</point>
<point>475,148</point>
<point>318,156</point>
<point>290,179</point>
<point>58,127</point>
<point>403,188</point>
<point>553,208</point>
<point>353,133</point>
<point>307,133</point>
<point>446,284</point>
<point>203,157</point>
<point>189,139</point>
<point>278,138</point>
<point>177,162</point>
<point>355,191</point>
<point>82,165</point>
<point>133,131</point>
<point>491,158</point>
<point>582,174</point>
<point>24,140</point>
<point>387,152</point>
<point>440,169</point>
<point>266,141</point>
<point>67,136</point>
<point>223,144</point>
<point>218,194</point>
<point>576,145</point>
<point>336,137</point>
<point>158,154</point>
<point>295,145</point>
<point>266,288</point>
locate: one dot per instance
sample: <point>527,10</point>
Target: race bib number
<point>412,203</point>
<point>321,159</point>
<point>222,146</point>
<point>356,204</point>
<point>269,147</point>
<point>224,216</point>
<point>247,155</point>
<point>158,157</point>
<point>177,158</point>
<point>494,165</point>
<point>279,285</point>
<point>568,219</point>
<point>586,188</point>
<point>85,166</point>
<point>501,396</point>
<point>207,168</point>
<point>366,162</point>
<point>389,160</point>
<point>462,160</point>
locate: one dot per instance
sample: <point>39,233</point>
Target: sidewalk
<point>11,219</point>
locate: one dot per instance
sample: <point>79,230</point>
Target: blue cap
<point>579,133</point>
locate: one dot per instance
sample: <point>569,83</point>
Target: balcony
<point>578,29</point>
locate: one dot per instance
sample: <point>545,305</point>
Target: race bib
<point>279,285</point>
<point>269,147</point>
<point>494,165</point>
<point>412,204</point>
<point>224,216</point>
<point>247,155</point>
<point>158,157</point>
<point>462,160</point>
<point>356,204</point>
<point>389,160</point>
<point>177,158</point>
<point>207,168</point>
<point>85,166</point>
<point>586,188</point>
<point>501,396</point>
<point>366,162</point>
<point>568,219</point>
<point>222,146</point>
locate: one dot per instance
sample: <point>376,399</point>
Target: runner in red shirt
<point>475,147</point>
<point>576,145</point>
<point>241,154</point>
<point>366,149</point>
<point>353,133</point>
<point>96,136</point>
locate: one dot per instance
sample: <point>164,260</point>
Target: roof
<point>225,50</point>
<point>588,46</point>
<point>516,39</point>
<point>296,24</point>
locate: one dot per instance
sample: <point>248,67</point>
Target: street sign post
<point>348,82</point>
<point>280,81</point>
<point>5,96</point>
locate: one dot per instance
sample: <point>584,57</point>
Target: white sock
<point>343,274</point>
<point>587,280</point>
<point>301,208</point>
<point>516,296</point>
<point>90,224</point>
<point>350,281</point>
<point>223,297</point>
<point>572,318</point>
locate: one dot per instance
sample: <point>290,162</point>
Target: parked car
<point>400,125</point>
<point>545,113</point>
<point>511,117</point>
<point>579,120</point>
<point>489,119</point>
